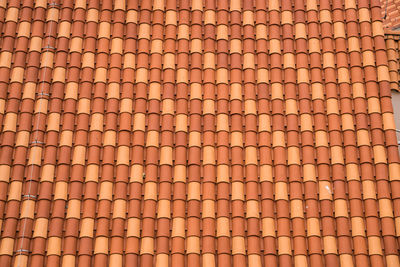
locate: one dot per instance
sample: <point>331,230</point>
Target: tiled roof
<point>393,52</point>
<point>229,133</point>
<point>391,13</point>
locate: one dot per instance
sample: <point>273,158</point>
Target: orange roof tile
<point>197,133</point>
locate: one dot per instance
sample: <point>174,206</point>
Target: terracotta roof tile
<point>198,133</point>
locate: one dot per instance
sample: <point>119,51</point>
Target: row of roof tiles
<point>393,52</point>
